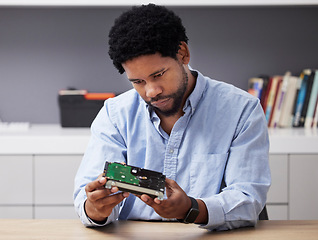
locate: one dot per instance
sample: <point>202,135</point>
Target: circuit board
<point>134,179</point>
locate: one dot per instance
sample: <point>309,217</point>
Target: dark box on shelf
<point>79,110</point>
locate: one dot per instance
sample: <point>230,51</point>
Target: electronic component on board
<point>134,179</point>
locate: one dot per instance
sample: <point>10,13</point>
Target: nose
<point>152,90</point>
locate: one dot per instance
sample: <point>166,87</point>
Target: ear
<point>184,53</point>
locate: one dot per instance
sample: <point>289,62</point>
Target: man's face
<point>161,81</point>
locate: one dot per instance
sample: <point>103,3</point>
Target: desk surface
<point>13,229</point>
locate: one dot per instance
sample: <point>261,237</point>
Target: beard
<point>176,97</point>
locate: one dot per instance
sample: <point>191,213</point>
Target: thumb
<point>102,180</point>
<point>92,186</point>
<point>170,183</point>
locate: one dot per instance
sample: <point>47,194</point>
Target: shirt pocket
<point>206,174</point>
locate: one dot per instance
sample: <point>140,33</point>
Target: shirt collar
<point>194,98</point>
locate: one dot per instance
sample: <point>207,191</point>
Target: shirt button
<point>171,151</point>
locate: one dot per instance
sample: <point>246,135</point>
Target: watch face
<point>192,215</point>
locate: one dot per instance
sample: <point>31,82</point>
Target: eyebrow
<point>152,74</point>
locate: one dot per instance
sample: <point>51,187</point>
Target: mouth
<point>161,103</point>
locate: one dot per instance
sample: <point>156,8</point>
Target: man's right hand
<point>100,200</point>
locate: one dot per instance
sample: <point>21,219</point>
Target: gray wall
<point>43,50</point>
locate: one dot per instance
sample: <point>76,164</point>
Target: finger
<point>114,189</point>
<point>114,199</point>
<point>157,201</point>
<point>98,194</point>
<point>90,187</point>
<point>146,199</point>
<point>102,192</point>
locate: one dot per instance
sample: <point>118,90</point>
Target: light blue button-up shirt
<point>217,152</point>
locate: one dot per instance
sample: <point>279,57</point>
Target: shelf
<point>45,139</point>
<point>53,139</point>
<point>293,140</point>
<point>159,2</point>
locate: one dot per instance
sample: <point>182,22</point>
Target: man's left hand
<point>176,205</point>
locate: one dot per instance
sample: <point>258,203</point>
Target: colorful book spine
<point>280,100</point>
<point>300,99</point>
<point>315,118</point>
<point>286,116</point>
<point>276,100</point>
<point>307,97</point>
<point>312,101</point>
<point>255,87</point>
<point>271,98</point>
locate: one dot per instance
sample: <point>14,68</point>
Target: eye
<point>137,82</point>
<point>159,74</point>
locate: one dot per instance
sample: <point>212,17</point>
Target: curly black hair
<point>144,30</point>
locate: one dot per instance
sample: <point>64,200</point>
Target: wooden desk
<point>72,229</point>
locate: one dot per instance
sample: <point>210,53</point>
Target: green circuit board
<point>120,172</point>
<point>134,179</point>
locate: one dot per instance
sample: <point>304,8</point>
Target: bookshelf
<point>288,101</point>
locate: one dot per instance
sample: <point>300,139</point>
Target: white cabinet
<point>54,178</point>
<point>278,192</point>
<point>16,174</point>
<point>38,186</point>
<point>55,212</point>
<point>37,171</point>
<point>277,198</point>
<point>38,168</point>
<point>303,187</point>
<point>54,185</point>
<point>277,212</point>
<point>294,193</point>
<point>21,212</point>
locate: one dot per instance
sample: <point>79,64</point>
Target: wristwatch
<point>192,213</point>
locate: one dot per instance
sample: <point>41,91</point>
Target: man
<point>209,138</point>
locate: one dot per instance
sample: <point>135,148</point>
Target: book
<point>255,86</point>
<point>286,116</point>
<point>271,96</point>
<point>279,101</point>
<point>264,94</point>
<point>300,98</point>
<point>306,101</point>
<point>315,117</point>
<point>275,103</point>
<point>312,101</point>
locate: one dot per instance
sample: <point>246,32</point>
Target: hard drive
<point>135,180</point>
